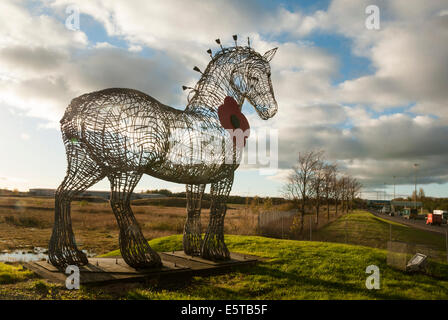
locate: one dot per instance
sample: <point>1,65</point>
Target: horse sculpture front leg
<point>192,240</point>
<point>134,248</point>
<point>213,246</point>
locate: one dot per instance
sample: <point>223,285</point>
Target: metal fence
<point>400,241</point>
<point>276,223</point>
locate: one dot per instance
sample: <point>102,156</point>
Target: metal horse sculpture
<point>122,134</point>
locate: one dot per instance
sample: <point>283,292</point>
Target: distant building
<point>406,204</point>
<point>378,203</point>
<point>42,192</point>
<point>400,205</point>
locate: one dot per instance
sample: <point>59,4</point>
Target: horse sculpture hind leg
<point>192,240</point>
<point>213,246</point>
<point>134,248</point>
<point>82,172</point>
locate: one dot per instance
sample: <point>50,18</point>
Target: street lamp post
<point>394,187</point>
<point>415,185</point>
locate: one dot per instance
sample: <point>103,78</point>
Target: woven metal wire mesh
<point>122,134</point>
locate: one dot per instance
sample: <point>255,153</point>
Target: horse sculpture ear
<point>270,54</point>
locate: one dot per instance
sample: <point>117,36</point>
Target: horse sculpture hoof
<point>149,264</point>
<point>215,251</point>
<point>68,257</point>
<point>143,260</point>
<point>192,245</point>
<point>193,252</point>
<point>216,256</point>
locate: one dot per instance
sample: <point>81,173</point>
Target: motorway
<point>418,224</point>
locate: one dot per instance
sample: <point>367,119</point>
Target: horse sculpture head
<point>251,80</point>
<point>241,73</point>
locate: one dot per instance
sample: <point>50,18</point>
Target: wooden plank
<point>234,258</point>
<point>176,266</point>
<point>111,265</point>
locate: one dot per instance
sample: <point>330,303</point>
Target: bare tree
<point>354,187</point>
<point>336,192</point>
<point>343,186</point>
<point>328,184</point>
<point>421,194</point>
<point>317,184</point>
<point>314,179</point>
<point>299,185</point>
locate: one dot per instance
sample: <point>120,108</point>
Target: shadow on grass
<point>300,280</point>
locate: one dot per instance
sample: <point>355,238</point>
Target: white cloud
<point>20,28</point>
<point>409,53</point>
<point>43,66</point>
<point>135,48</point>
<point>25,136</point>
<point>9,182</point>
<point>102,45</point>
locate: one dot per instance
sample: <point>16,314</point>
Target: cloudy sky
<point>375,100</point>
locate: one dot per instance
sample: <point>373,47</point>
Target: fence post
<point>345,228</point>
<point>390,232</point>
<point>282,228</point>
<point>446,244</point>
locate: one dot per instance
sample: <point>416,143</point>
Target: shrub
<point>27,222</point>
<point>13,273</point>
<point>41,287</point>
<point>83,203</point>
<point>167,202</point>
<point>267,203</point>
<point>167,226</point>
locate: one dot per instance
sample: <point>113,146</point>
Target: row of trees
<point>315,181</point>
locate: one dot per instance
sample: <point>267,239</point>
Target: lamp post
<point>394,187</point>
<point>415,185</point>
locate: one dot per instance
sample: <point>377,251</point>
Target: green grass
<point>300,270</point>
<point>291,269</point>
<point>13,273</point>
<point>160,244</point>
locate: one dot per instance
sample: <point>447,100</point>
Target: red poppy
<point>232,118</point>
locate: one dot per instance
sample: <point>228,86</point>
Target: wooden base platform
<point>176,267</point>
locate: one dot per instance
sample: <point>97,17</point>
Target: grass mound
<point>300,270</point>
<point>364,228</point>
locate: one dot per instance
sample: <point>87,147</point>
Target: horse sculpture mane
<point>122,134</point>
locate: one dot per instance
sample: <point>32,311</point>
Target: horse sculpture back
<point>122,134</point>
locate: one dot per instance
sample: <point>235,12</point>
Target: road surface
<point>418,224</point>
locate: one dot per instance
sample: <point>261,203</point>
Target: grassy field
<point>27,222</point>
<point>293,269</point>
<point>13,273</point>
